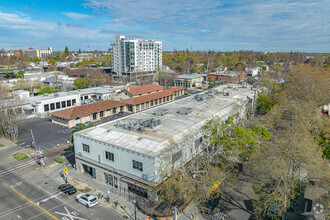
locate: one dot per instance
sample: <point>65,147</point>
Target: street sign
<point>65,170</point>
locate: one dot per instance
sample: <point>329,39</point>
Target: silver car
<point>86,199</point>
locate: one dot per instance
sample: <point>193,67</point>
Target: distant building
<point>38,53</point>
<point>21,94</point>
<point>227,76</point>
<point>189,81</point>
<point>134,55</point>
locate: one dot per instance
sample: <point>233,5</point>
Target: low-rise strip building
<point>87,113</point>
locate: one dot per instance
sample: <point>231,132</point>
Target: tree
<point>66,51</point>
<point>79,51</point>
<point>264,103</point>
<point>9,120</point>
<point>47,89</point>
<point>96,78</point>
<point>52,68</point>
<point>80,83</point>
<point>280,166</point>
<point>20,74</point>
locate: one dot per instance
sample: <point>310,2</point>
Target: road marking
<point>53,165</point>
<point>16,184</point>
<point>44,210</point>
<point>72,215</point>
<point>19,217</point>
<point>46,199</point>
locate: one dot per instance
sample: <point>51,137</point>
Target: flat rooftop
<point>174,126</point>
<point>100,90</point>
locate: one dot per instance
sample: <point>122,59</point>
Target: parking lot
<point>46,134</point>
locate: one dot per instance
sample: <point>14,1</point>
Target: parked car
<point>120,113</point>
<point>86,199</point>
<point>67,189</point>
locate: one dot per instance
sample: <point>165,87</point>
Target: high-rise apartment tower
<point>134,55</point>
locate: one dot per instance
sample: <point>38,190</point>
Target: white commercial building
<point>134,55</point>
<point>134,153</point>
<point>38,53</point>
<point>47,103</point>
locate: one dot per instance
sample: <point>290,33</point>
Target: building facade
<point>135,153</point>
<point>134,55</point>
<point>189,81</point>
<point>38,53</point>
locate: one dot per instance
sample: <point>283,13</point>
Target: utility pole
<point>175,217</point>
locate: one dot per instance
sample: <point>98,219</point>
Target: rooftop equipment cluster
<point>185,111</point>
<point>161,112</point>
<point>140,125</point>
<point>210,94</point>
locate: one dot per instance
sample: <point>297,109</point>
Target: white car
<point>86,199</point>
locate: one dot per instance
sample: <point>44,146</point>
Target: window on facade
<point>68,103</point>
<point>176,156</point>
<point>101,114</point>
<point>86,96</point>
<point>46,108</point>
<point>94,116</point>
<point>63,104</point>
<point>114,111</point>
<point>137,165</point>
<point>81,98</point>
<point>58,105</point>
<point>109,156</point>
<point>73,101</point>
<point>137,190</point>
<point>86,148</point>
<point>52,106</point>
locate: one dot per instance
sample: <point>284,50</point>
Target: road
<point>28,194</point>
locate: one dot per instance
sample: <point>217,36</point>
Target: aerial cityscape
<point>141,110</point>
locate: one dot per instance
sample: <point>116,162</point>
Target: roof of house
<point>174,89</point>
<point>149,97</point>
<point>71,113</point>
<point>189,76</point>
<point>139,90</point>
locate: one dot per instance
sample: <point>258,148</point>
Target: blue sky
<point>281,25</point>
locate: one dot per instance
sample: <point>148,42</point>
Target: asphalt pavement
<point>27,193</point>
<point>46,134</point>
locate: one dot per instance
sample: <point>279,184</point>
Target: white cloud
<point>75,15</point>
<point>277,23</point>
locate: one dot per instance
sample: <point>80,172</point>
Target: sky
<point>280,25</point>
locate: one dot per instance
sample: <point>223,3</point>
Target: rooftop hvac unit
<point>185,111</point>
<point>56,95</point>
<point>161,112</point>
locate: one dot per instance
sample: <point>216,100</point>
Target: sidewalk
<point>85,183</point>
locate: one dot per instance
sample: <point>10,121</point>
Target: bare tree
<point>9,120</point>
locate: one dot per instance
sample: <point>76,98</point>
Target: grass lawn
<point>21,156</point>
<point>1,145</point>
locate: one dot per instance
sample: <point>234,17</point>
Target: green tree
<point>66,51</point>
<point>80,83</point>
<point>20,74</point>
<point>36,60</point>
<point>47,89</point>
<point>264,103</point>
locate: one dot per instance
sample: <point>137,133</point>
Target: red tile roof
<point>175,89</point>
<point>82,110</point>
<point>135,90</point>
<point>149,97</point>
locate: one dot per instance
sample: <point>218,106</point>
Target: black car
<point>67,189</point>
